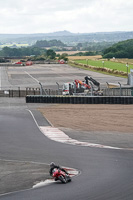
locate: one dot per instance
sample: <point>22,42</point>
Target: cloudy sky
<point>77,16</point>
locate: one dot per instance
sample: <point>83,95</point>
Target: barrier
<point>79,100</point>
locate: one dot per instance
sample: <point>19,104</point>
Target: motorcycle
<point>58,174</point>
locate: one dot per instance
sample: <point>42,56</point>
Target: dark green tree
<point>50,54</point>
<point>63,56</point>
<point>50,43</point>
<point>122,49</point>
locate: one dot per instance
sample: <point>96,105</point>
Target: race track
<point>105,174</point>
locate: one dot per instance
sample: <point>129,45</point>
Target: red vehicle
<point>61,61</point>
<point>60,175</point>
<point>18,63</point>
<point>28,63</point>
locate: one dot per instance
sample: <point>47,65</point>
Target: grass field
<point>107,64</point>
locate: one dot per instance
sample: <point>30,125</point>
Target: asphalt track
<point>49,74</point>
<point>106,174</point>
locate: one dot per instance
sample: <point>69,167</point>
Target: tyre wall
<point>80,100</point>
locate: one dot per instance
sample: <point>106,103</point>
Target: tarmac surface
<point>19,175</point>
<point>49,75</point>
<point>25,152</point>
<point>15,173</point>
<point>104,173</point>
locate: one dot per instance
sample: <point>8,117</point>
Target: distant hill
<point>60,33</point>
<point>123,49</point>
<point>67,37</point>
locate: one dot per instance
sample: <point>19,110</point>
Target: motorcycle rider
<point>53,166</point>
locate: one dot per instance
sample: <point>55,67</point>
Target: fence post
<point>49,92</point>
<point>108,88</point>
<point>91,88</point>
<point>33,91</point>
<point>26,91</point>
<point>19,91</point>
<point>120,89</point>
<point>12,93</point>
<point>58,87</point>
<point>41,88</point>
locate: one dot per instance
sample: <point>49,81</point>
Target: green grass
<point>107,64</point>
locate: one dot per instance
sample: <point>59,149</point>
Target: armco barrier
<point>80,99</point>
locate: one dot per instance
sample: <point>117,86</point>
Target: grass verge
<point>102,70</point>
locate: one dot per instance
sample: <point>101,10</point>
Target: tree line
<point>123,49</point>
<point>27,51</point>
<point>24,51</point>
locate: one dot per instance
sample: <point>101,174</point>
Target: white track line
<point>59,136</point>
<point>32,77</point>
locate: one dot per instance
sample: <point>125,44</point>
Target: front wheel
<point>62,179</point>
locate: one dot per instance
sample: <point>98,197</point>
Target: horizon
<point>64,32</point>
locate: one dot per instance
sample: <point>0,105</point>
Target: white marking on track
<point>32,77</point>
<point>59,136</point>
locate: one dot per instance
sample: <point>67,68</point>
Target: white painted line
<point>32,77</point>
<point>59,136</point>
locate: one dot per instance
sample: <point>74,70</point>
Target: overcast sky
<point>77,16</point>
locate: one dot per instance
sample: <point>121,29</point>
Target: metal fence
<point>18,92</point>
<point>118,92</point>
<point>21,92</point>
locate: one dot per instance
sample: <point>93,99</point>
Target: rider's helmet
<point>52,164</point>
